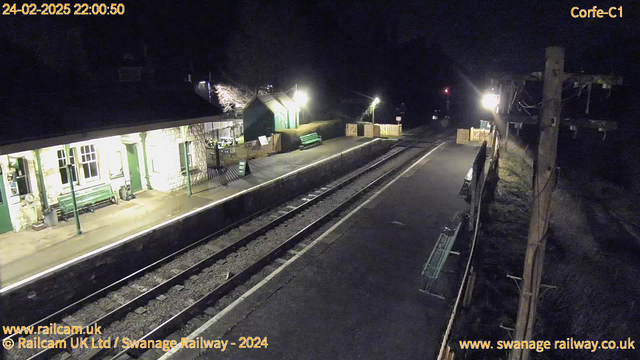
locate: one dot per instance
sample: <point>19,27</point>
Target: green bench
<point>310,140</point>
<point>86,198</point>
<point>433,267</point>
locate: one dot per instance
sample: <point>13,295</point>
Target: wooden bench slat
<point>85,197</point>
<point>310,139</point>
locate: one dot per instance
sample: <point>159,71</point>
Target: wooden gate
<point>351,130</point>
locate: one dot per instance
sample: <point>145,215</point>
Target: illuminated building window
<point>62,165</point>
<point>89,161</point>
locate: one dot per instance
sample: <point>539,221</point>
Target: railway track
<point>167,295</point>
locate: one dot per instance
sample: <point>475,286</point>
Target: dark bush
<point>326,129</point>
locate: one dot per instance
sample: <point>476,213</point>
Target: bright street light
<point>490,101</point>
<point>375,102</point>
<point>301,98</point>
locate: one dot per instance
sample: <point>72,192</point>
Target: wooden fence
<point>465,136</point>
<point>371,130</point>
<point>481,187</point>
<point>479,135</point>
<point>231,155</point>
<point>351,130</point>
<point>390,130</point>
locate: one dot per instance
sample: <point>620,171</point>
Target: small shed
<point>270,113</point>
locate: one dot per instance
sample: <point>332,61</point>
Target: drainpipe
<point>185,134</point>
<point>143,137</point>
<point>73,192</point>
<point>43,191</point>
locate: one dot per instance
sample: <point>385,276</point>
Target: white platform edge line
<point>170,221</point>
<point>239,300</point>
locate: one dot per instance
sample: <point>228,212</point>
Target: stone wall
<point>164,158</point>
<point>53,290</point>
<point>113,168</point>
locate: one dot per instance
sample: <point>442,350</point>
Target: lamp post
<point>375,102</point>
<point>70,172</point>
<point>446,93</point>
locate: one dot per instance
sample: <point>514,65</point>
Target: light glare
<point>300,98</point>
<point>490,101</point>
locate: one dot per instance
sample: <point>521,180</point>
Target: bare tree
<point>232,98</point>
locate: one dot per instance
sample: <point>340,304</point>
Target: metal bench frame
<point>310,140</point>
<point>65,202</point>
<point>433,267</point>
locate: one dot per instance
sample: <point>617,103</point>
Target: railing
<point>481,180</point>
<point>231,155</point>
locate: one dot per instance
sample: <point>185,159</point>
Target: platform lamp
<point>446,92</point>
<point>490,101</point>
<point>301,98</point>
<point>375,102</point>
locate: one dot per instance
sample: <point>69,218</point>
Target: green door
<point>281,121</point>
<point>134,167</point>
<point>5,217</point>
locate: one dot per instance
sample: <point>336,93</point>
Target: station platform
<point>353,293</point>
<point>30,252</point>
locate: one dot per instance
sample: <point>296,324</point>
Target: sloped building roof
<point>277,103</point>
<point>35,117</point>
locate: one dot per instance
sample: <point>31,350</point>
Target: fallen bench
<point>434,266</point>
<point>310,140</point>
<point>86,198</point>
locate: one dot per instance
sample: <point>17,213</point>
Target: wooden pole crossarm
<point>583,79</point>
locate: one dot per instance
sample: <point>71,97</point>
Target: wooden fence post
<point>468,293</point>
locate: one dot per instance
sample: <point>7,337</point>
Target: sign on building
<point>243,168</point>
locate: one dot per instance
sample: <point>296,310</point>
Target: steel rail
<point>121,311</point>
<point>178,320</point>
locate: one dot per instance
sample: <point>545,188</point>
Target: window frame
<point>118,155</point>
<point>86,159</point>
<point>74,166</point>
<point>181,149</point>
<point>24,162</point>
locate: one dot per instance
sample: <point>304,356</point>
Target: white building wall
<point>108,151</point>
<point>163,163</point>
<point>164,158</point>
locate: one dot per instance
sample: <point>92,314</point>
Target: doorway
<point>134,167</point>
<point>5,217</point>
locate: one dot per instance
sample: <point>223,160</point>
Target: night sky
<point>403,51</point>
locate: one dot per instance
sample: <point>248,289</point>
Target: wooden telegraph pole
<point>544,178</point>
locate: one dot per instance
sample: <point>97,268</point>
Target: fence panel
<point>390,130</point>
<point>482,189</point>
<point>351,130</point>
<point>231,155</point>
